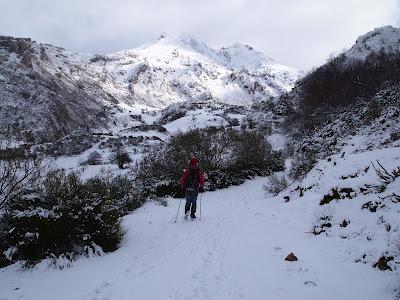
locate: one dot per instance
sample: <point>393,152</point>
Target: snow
<point>387,38</point>
<point>236,251</point>
<point>172,69</point>
<point>241,56</point>
<point>175,67</point>
<point>195,120</point>
<point>277,141</point>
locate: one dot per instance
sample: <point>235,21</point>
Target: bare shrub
<point>17,175</point>
<point>385,176</point>
<point>94,158</point>
<point>276,184</point>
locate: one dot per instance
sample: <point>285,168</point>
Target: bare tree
<point>17,175</point>
<point>121,157</point>
<point>17,172</point>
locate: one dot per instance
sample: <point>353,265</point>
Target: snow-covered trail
<point>236,251</point>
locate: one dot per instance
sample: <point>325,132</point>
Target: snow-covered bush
<point>323,221</point>
<point>120,157</point>
<point>248,122</point>
<point>302,163</point>
<point>124,189</point>
<point>176,111</point>
<point>288,150</point>
<point>276,184</point>
<point>94,158</point>
<point>74,144</point>
<point>232,121</point>
<point>65,217</point>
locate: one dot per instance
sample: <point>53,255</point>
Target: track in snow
<point>236,251</point>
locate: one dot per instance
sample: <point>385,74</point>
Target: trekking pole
<point>176,218</point>
<point>201,197</point>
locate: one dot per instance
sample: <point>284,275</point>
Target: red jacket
<point>186,174</point>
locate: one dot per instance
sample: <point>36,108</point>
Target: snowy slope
<point>43,95</point>
<point>386,38</point>
<point>236,251</point>
<point>177,68</point>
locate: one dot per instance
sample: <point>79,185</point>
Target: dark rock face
<point>16,45</point>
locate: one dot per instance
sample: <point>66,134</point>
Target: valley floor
<point>236,251</point>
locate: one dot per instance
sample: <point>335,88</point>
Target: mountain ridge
<point>48,91</point>
<point>386,38</point>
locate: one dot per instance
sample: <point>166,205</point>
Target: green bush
<point>65,217</point>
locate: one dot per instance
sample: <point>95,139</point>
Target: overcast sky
<point>298,33</point>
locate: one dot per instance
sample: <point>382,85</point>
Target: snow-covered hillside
<point>385,38</point>
<point>61,91</point>
<point>177,68</point>
<point>43,95</point>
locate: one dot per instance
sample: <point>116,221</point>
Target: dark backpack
<point>192,183</point>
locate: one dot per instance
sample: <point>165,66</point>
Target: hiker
<point>192,182</point>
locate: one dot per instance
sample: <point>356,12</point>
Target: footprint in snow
<point>102,286</point>
<point>146,270</point>
<point>302,271</point>
<point>310,283</point>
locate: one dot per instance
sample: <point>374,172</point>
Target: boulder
<point>291,257</point>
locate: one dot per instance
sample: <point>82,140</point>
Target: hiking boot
<point>193,217</point>
<point>186,216</point>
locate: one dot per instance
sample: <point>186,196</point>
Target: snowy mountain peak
<point>182,39</point>
<point>386,38</point>
<point>177,38</point>
<point>168,42</point>
<point>242,56</point>
<point>235,57</point>
<point>177,68</point>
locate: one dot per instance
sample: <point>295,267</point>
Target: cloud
<point>299,33</point>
